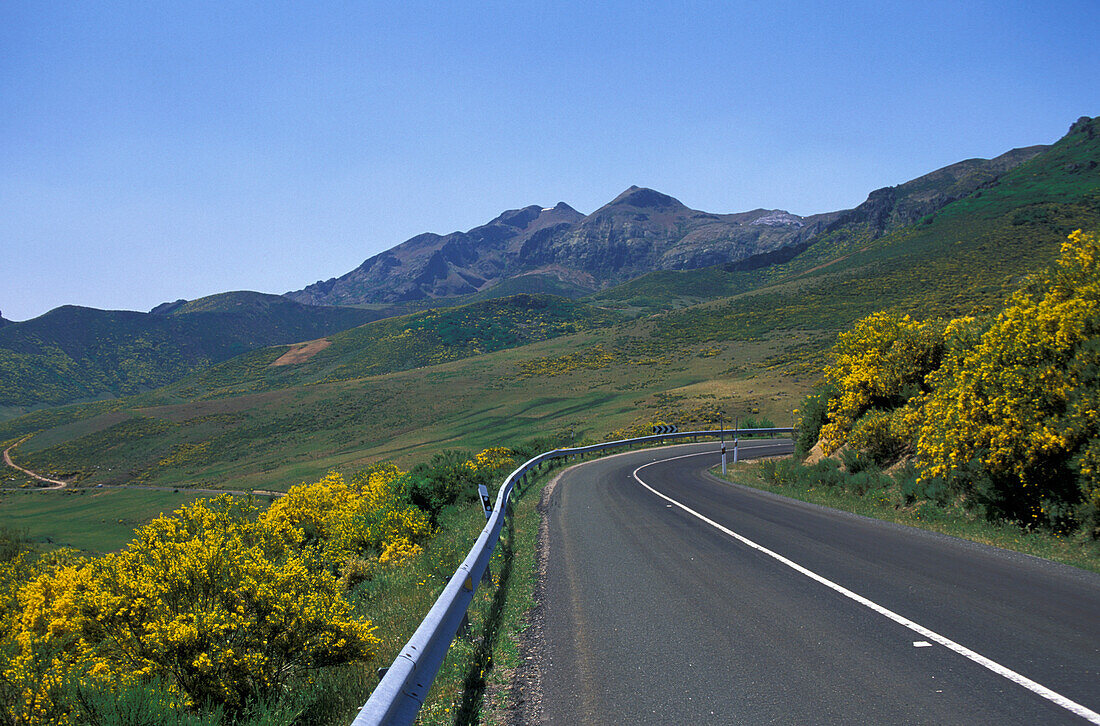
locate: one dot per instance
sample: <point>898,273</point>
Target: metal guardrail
<point>402,690</point>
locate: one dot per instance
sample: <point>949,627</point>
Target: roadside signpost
<point>722,437</point>
<point>486,502</point>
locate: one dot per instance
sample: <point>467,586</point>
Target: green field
<point>91,520</point>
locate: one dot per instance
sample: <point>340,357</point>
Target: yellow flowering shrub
<point>594,358</point>
<point>1021,401</point>
<point>880,364</point>
<point>491,460</point>
<point>222,603</point>
<point>1005,410</point>
<point>338,521</point>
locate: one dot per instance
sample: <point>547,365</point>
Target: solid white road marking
<point>1037,688</point>
<point>921,644</point>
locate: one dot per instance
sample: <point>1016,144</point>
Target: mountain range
<point>637,232</point>
<point>642,252</point>
<point>744,337</point>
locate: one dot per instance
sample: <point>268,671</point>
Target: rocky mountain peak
<point>643,198</point>
<point>1086,125</point>
<point>519,218</point>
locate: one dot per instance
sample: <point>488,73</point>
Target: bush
<point>856,461</point>
<point>865,481</point>
<point>779,472</point>
<point>216,610</point>
<point>874,435</point>
<point>811,417</point>
<point>441,482</point>
<point>825,473</point>
<point>452,477</point>
<point>1018,401</point>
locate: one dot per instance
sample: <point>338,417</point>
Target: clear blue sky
<point>151,151</point>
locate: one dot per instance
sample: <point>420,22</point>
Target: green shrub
<point>811,417</point>
<point>824,473</point>
<point>442,481</point>
<point>857,460</point>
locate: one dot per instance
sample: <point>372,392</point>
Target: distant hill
<point>440,266</point>
<point>638,232</point>
<point>967,253</point>
<point>890,208</point>
<point>979,194</point>
<point>75,353</point>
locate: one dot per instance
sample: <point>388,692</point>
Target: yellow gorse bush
<point>222,603</point>
<point>491,460</point>
<point>1009,405</point>
<point>879,364</point>
<point>1025,391</point>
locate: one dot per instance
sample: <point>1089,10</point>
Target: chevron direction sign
<point>664,429</point>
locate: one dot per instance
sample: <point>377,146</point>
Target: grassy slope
<point>402,343</point>
<point>282,437</point>
<point>91,520</point>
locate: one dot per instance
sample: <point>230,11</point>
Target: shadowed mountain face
<point>431,265</point>
<point>638,232</point>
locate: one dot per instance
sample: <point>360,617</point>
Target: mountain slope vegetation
<point>75,353</point>
<point>400,343</point>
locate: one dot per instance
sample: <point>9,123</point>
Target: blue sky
<point>153,151</point>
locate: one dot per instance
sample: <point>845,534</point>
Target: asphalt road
<point>652,615</point>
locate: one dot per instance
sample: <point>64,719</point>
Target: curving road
<point>670,597</point>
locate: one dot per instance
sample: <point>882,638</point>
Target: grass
<point>95,521</point>
<point>951,520</point>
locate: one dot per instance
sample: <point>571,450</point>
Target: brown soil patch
<point>302,352</point>
<point>830,262</point>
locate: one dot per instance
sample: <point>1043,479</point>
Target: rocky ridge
<point>639,231</point>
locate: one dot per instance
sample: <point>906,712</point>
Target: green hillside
<point>395,344</point>
<point>75,353</point>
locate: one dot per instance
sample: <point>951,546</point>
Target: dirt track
<point>57,483</point>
